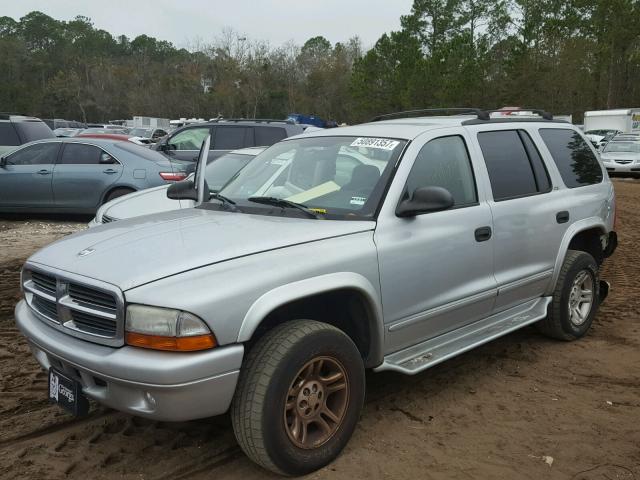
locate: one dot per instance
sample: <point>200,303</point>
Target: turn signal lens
<point>175,344</point>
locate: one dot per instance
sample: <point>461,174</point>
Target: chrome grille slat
<point>93,310</point>
<point>92,296</point>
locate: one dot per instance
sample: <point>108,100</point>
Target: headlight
<point>166,329</point>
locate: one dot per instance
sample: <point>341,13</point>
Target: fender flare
<point>575,228</point>
<point>284,294</point>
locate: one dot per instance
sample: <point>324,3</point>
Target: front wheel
<point>299,397</point>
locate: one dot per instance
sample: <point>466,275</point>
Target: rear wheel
<point>299,397</point>
<point>117,192</point>
<point>575,298</point>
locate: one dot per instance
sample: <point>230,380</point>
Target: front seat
<point>363,179</point>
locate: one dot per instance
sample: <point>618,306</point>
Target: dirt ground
<point>520,407</point>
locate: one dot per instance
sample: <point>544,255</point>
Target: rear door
<point>524,206</point>
<point>230,137</point>
<point>82,175</point>
<point>25,180</point>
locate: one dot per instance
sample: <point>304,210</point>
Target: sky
<point>185,22</point>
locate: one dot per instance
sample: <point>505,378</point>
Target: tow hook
<point>603,290</point>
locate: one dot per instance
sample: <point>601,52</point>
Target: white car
<point>154,200</point>
<point>621,156</point>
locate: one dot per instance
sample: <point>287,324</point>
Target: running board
<point>433,351</point>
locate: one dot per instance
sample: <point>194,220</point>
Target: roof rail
<point>543,113</point>
<point>258,120</point>
<point>481,114</point>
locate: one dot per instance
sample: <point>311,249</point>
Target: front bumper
<point>167,386</point>
<point>622,169</point>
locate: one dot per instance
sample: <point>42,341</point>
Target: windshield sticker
<point>358,200</point>
<point>380,143</point>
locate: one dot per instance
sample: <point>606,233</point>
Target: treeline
<point>564,56</point>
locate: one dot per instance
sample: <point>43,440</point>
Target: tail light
<point>173,176</point>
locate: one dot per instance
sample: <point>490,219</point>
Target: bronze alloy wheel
<point>316,402</point>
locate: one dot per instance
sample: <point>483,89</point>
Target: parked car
<point>67,132</point>
<point>148,135</point>
<point>599,138</point>
<point>104,131</point>
<point>56,123</point>
<point>268,297</point>
<point>77,175</point>
<point>621,156</point>
<point>226,135</point>
<point>155,200</point>
<point>16,130</point>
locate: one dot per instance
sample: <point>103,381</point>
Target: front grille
<point>45,283</point>
<point>91,296</point>
<point>93,324</point>
<point>108,219</point>
<point>48,308</point>
<point>624,162</point>
<point>95,313</point>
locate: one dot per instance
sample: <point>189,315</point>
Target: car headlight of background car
<point>166,329</point>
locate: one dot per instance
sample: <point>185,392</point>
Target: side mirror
<point>107,159</point>
<point>185,190</point>
<point>425,200</point>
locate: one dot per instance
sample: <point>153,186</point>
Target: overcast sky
<point>183,22</point>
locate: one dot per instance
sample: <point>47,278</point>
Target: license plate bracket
<point>67,393</point>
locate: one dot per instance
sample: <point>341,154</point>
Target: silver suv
<point>392,245</point>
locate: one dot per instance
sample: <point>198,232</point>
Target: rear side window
<point>79,154</point>
<point>444,162</point>
<point>38,154</point>
<point>267,136</point>
<point>230,138</point>
<point>33,130</point>
<point>576,162</point>
<point>8,136</point>
<point>514,164</point>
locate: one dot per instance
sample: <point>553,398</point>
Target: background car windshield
<point>336,175</point>
<point>633,147</point>
<point>141,132</point>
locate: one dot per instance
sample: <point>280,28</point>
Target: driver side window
<point>444,162</point>
<point>189,139</point>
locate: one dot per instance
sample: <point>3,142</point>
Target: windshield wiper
<point>281,202</point>
<point>230,204</point>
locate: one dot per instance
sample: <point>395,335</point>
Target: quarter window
<point>267,136</point>
<point>38,154</point>
<point>514,165</point>
<point>576,162</point>
<point>444,162</point>
<point>80,154</point>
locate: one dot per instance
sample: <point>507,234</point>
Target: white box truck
<point>625,120</point>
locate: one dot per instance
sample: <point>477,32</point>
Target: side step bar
<point>419,357</point>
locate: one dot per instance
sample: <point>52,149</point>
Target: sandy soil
<point>520,407</point>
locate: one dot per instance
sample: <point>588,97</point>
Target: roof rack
<point>258,120</point>
<point>481,114</point>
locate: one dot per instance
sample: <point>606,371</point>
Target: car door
<point>185,144</point>
<point>83,175</point>
<point>436,269</point>
<point>525,209</point>
<point>25,177</point>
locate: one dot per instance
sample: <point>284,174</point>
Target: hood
<point>143,202</point>
<point>620,155</point>
<point>129,253</point>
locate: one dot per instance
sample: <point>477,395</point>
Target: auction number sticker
<point>380,143</point>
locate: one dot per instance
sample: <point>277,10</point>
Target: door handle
<point>562,217</point>
<point>44,171</point>
<point>483,234</point>
<point>109,171</point>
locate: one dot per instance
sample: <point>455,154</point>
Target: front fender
<point>575,228</point>
<point>284,294</point>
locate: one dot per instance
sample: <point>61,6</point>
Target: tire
<point>272,389</point>
<point>117,192</point>
<point>560,323</point>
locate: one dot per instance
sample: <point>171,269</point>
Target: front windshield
<point>340,177</point>
<point>632,147</point>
